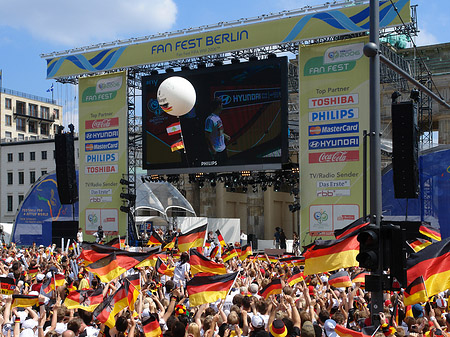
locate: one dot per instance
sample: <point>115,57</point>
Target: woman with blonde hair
<point>193,330</point>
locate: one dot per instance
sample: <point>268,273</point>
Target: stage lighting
<point>415,94</point>
<point>255,188</point>
<point>169,70</point>
<point>235,61</point>
<point>218,63</point>
<point>277,186</point>
<point>124,182</point>
<point>272,56</point>
<point>395,95</point>
<point>125,209</point>
<point>244,189</point>
<point>127,196</point>
<point>154,72</point>
<point>253,58</point>
<point>294,207</point>
<point>201,65</point>
<point>143,180</point>
<point>185,67</point>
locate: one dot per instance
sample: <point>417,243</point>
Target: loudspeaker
<point>65,168</point>
<point>252,238</point>
<point>64,229</point>
<point>405,150</point>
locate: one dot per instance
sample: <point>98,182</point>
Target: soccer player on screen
<point>214,133</point>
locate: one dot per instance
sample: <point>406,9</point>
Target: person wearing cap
<point>328,328</point>
<point>257,327</point>
<point>278,329</point>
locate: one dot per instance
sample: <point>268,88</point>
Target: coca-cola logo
<point>334,157</point>
<point>102,123</point>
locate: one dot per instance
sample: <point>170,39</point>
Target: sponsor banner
<point>225,37</point>
<point>103,146</point>
<point>101,169</point>
<point>101,134</point>
<point>102,157</point>
<point>237,98</point>
<point>103,152</point>
<point>328,143</point>
<point>333,157</point>
<point>333,115</point>
<point>334,88</point>
<point>100,191</point>
<point>332,129</point>
<point>101,123</point>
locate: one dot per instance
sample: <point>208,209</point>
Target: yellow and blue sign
<point>351,19</point>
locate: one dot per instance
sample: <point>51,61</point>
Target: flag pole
<point>228,293</point>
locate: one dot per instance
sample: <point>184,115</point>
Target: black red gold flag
<point>220,238</point>
<point>415,292</point>
<point>273,287</point>
<point>208,289</point>
<point>201,264</point>
<point>155,240</point>
<point>87,300</point>
<point>162,268</point>
<point>7,285</point>
<point>294,279</point>
<point>191,239</point>
<point>246,251</point>
<point>340,279</point>
<point>24,301</point>
<point>355,226</point>
<point>151,327</point>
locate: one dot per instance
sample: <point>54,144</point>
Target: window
<point>43,172</point>
<point>20,124</point>
<point>33,127</point>
<point>21,178</point>
<point>10,203</point>
<point>10,178</point>
<point>21,156</point>
<point>20,136</point>
<point>33,110</point>
<point>44,129</point>
<point>21,108</point>
<point>8,134</point>
<point>56,113</point>
<point>32,177</point>
<point>8,103</point>
<point>10,157</point>
<point>43,155</point>
<point>45,112</point>
<point>33,155</point>
<point>20,198</point>
<point>8,120</point>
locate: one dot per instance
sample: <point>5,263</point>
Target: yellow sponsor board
<point>301,26</point>
<point>103,152</point>
<point>334,112</point>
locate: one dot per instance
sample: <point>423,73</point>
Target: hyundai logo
<point>314,144</point>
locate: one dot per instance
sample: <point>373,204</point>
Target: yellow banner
<point>334,112</point>
<point>301,25</point>
<point>103,152</point>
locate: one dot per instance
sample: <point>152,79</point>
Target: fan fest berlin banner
<point>261,31</point>
<point>103,152</point>
<point>334,112</point>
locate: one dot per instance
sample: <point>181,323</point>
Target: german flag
<point>214,252</point>
<point>340,279</point>
<point>408,311</point>
<point>58,280</point>
<point>24,301</point>
<point>273,287</point>
<point>415,292</point>
<point>327,255</point>
<point>84,299</point>
<point>135,280</point>
<point>344,332</point>
<point>294,279</point>
<point>264,257</point>
<point>92,252</point>
<point>430,232</point>
<point>7,285</point>
<point>193,238</point>
<point>32,272</point>
<point>208,289</point>
<point>246,251</point>
<point>207,244</point>
<point>117,243</point>
<point>220,238</point>
<point>300,261</point>
<point>418,244</point>
<point>155,240</point>
<point>360,277</point>
<point>171,244</point>
<point>433,263</point>
<point>123,297</point>
<point>355,226</point>
<point>162,268</point>
<point>229,254</point>
<point>293,260</point>
<point>151,327</point>
<point>117,263</point>
<point>201,264</point>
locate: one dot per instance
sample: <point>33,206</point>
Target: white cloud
<point>425,38</point>
<point>77,23</point>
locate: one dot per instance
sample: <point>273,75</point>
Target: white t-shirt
<point>179,274</point>
<point>213,125</point>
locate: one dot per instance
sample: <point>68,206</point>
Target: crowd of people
<point>309,308</point>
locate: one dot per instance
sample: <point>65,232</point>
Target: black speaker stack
<point>65,168</point>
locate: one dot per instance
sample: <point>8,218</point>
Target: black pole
<point>365,173</point>
<point>372,51</point>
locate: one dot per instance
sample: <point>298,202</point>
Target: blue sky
<point>29,28</point>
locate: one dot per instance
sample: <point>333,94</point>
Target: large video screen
<point>239,121</point>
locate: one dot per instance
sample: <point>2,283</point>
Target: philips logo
<point>102,157</point>
<point>351,52</point>
<point>332,115</point>
<point>108,84</point>
<point>329,143</point>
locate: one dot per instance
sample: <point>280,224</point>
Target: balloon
<point>176,96</point>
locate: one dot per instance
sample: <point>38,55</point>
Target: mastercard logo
<point>89,147</point>
<point>315,130</point>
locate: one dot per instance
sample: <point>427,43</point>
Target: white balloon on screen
<point>176,96</point>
